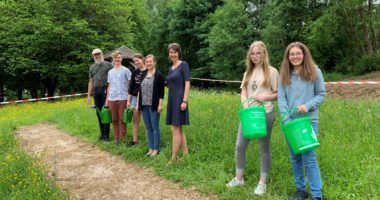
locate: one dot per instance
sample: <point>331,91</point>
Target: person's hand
<point>302,109</point>
<point>89,100</point>
<point>261,98</point>
<point>183,106</point>
<point>106,104</point>
<point>159,109</point>
<point>128,104</point>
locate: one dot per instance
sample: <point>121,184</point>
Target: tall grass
<point>348,157</point>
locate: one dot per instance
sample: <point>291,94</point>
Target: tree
<point>345,34</point>
<point>228,40</point>
<point>49,41</point>
<point>288,21</point>
<point>18,40</point>
<point>180,21</point>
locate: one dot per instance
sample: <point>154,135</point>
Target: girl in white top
<point>260,82</point>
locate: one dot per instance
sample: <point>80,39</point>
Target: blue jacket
<point>301,92</point>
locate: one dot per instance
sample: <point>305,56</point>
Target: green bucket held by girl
<point>253,120</point>
<point>299,133</point>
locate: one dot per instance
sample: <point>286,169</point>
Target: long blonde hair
<point>308,71</point>
<point>250,66</point>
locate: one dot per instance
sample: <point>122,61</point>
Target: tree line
<point>45,45</point>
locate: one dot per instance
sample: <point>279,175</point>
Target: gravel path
<point>86,172</point>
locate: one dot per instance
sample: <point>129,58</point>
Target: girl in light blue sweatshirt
<point>302,86</point>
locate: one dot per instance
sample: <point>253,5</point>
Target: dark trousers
<point>100,96</point>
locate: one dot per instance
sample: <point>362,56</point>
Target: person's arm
<point>108,88</point>
<point>320,94</point>
<point>161,92</point>
<point>244,92</point>
<point>108,93</point>
<point>282,99</point>
<point>89,89</point>
<point>132,83</point>
<point>266,97</point>
<point>137,101</point>
<point>186,75</point>
<point>159,109</point>
<point>129,100</point>
<point>244,96</point>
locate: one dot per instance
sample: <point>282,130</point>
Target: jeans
<point>99,100</point>
<point>152,120</point>
<point>307,162</point>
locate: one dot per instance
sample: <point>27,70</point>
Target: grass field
<point>349,155</point>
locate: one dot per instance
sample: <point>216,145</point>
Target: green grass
<point>349,154</point>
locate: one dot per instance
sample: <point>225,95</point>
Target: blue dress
<point>176,82</point>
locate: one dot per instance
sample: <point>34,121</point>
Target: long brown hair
<point>250,66</point>
<point>308,71</point>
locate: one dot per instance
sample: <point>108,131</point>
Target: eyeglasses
<point>298,54</point>
<point>256,54</point>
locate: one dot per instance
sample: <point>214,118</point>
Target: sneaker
<point>300,195</point>
<point>235,182</point>
<point>260,189</point>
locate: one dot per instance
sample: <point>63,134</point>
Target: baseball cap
<point>96,51</point>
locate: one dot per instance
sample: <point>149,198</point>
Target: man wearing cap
<point>98,86</point>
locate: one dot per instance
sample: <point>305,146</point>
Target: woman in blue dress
<point>178,81</point>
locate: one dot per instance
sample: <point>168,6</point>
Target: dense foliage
<point>45,45</point>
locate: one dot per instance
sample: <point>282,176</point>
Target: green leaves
<point>228,39</point>
<point>52,40</point>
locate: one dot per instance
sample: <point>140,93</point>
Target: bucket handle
<point>287,112</point>
<point>249,99</point>
<point>97,109</point>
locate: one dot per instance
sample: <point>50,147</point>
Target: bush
<point>333,76</point>
<point>367,64</point>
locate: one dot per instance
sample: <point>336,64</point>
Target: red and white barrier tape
<point>354,83</point>
<point>331,83</point>
<point>200,79</point>
<point>215,80</point>
<point>42,99</point>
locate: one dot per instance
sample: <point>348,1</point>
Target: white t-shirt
<point>119,81</point>
<point>255,86</point>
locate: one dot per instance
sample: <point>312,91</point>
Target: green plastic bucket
<point>127,117</point>
<point>299,133</point>
<point>105,115</point>
<point>253,121</point>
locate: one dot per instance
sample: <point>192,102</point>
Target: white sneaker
<point>260,189</point>
<point>235,182</point>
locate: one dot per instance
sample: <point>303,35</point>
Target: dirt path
<point>86,172</point>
